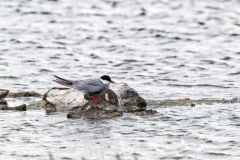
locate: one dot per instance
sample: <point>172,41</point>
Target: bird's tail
<point>62,81</point>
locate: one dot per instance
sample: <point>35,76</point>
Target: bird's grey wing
<point>63,81</point>
<point>90,86</point>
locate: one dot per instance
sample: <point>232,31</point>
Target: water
<point>162,48</point>
<point>199,133</point>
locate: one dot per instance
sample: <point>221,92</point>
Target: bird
<point>90,87</point>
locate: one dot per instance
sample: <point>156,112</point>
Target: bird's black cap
<point>107,78</point>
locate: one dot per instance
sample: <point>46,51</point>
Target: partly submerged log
<point>118,99</point>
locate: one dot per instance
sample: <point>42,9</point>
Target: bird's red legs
<point>96,100</point>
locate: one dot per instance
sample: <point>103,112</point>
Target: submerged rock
<point>3,93</point>
<point>24,94</point>
<point>104,110</point>
<point>191,102</point>
<point>22,107</point>
<point>35,105</point>
<point>118,99</point>
<point>145,112</point>
<point>3,103</point>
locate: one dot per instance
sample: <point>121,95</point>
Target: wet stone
<point>191,102</point>
<point>22,107</point>
<point>145,112</point>
<point>24,94</point>
<point>95,112</point>
<point>118,99</point>
<point>3,93</point>
<point>3,104</point>
<point>35,105</point>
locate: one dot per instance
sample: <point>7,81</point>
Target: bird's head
<point>106,79</point>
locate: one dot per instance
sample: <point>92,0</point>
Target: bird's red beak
<point>112,81</point>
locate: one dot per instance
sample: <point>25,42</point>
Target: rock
<point>22,107</point>
<point>24,94</point>
<point>128,98</point>
<point>3,103</point>
<point>171,102</point>
<point>35,105</point>
<point>108,108</point>
<point>63,99</point>
<point>101,111</point>
<point>145,112</point>
<point>190,102</point>
<point>118,99</point>
<point>3,93</point>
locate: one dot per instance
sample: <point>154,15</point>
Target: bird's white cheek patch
<point>105,82</point>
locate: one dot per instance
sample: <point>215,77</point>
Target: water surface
<point>198,133</point>
<point>162,48</point>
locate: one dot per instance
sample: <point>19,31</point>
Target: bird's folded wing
<point>88,86</point>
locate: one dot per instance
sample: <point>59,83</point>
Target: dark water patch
<point>212,7</point>
<point>201,23</point>
<point>235,73</point>
<point>171,57</point>
<point>130,60</point>
<point>43,70</point>
<point>217,154</point>
<point>94,56</point>
<point>58,56</point>
<point>15,40</point>
<point>208,61</point>
<point>119,64</point>
<point>167,79</point>
<point>234,34</point>
<point>76,60</point>
<point>138,29</point>
<point>34,12</point>
<point>169,49</point>
<point>201,68</point>
<point>180,66</point>
<point>61,43</point>
<point>8,77</point>
<point>163,73</point>
<point>29,61</point>
<point>226,58</point>
<point>39,47</point>
<point>149,64</point>
<point>159,36</point>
